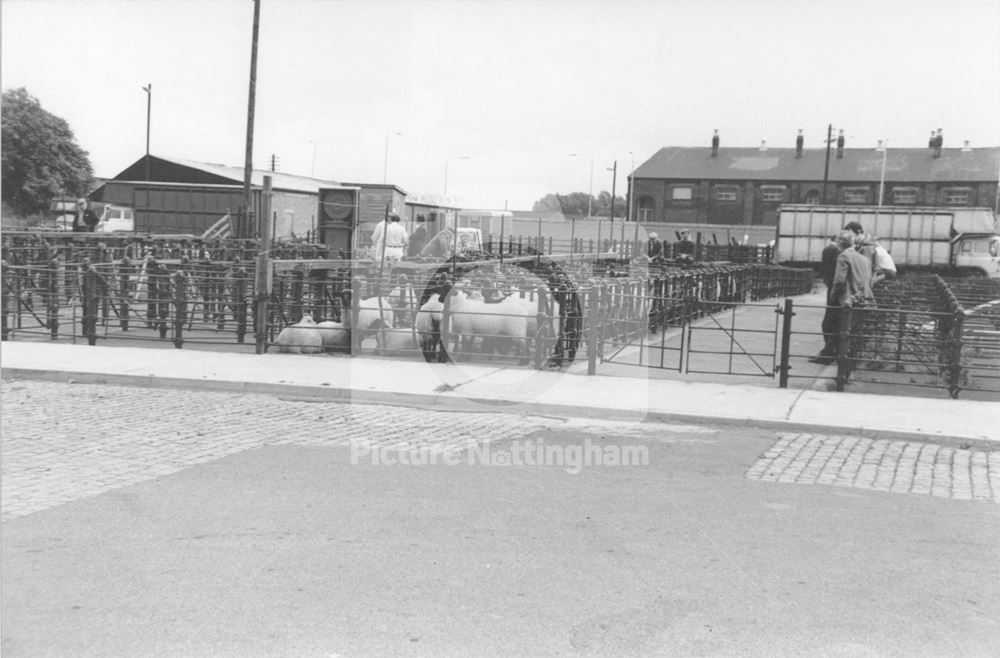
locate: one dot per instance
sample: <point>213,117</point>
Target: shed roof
<point>179,170</point>
<point>780,164</point>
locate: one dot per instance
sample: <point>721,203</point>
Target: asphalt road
<point>144,522</point>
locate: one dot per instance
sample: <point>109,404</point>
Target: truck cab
<point>116,218</point>
<point>977,255</point>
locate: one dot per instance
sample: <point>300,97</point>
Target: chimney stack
<point>931,140</point>
<point>840,145</point>
<point>763,145</point>
<point>799,140</point>
<point>715,143</point>
<point>938,142</point>
<point>967,148</point>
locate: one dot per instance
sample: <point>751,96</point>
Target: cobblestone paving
<point>881,465</point>
<point>62,442</point>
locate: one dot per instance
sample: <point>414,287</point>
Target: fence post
<point>786,340</point>
<point>180,306</point>
<point>52,298</point>
<point>240,301</point>
<point>591,329</point>
<point>955,354</point>
<point>263,272</point>
<point>540,320</point>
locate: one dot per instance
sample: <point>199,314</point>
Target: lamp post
<point>149,113</point>
<point>385,170</point>
<point>630,188</point>
<point>883,145</point>
<point>446,161</point>
<point>590,192</point>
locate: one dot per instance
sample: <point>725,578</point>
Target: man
<point>419,238</point>
<point>828,270</point>
<point>654,248</point>
<point>686,247</point>
<point>378,239</point>
<point>852,285</point>
<point>85,220</point>
<point>395,241</point>
<point>441,245</point>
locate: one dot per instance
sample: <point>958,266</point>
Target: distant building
<point>745,186</point>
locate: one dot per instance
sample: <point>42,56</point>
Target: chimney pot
<point>799,140</point>
<point>715,143</point>
<point>840,145</point>
<point>966,148</point>
<point>763,145</point>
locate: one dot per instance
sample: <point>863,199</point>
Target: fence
<point>522,245</point>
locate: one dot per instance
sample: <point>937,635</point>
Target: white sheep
<point>300,338</point>
<point>428,325</point>
<point>398,342</point>
<point>404,301</point>
<point>472,318</point>
<point>375,313</point>
<point>335,334</point>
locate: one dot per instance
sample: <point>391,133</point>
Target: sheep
<point>473,318</point>
<point>375,313</point>
<point>428,325</point>
<point>529,307</point>
<point>404,301</point>
<point>335,334</point>
<point>398,341</point>
<point>300,338</point>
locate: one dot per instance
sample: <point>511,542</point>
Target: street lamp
<point>883,145</point>
<point>149,112</point>
<point>385,170</point>
<point>446,161</point>
<point>590,193</point>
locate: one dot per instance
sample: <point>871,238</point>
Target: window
<point>772,193</point>
<point>955,196</point>
<point>904,196</point>
<point>856,195</point>
<point>646,208</point>
<point>812,197</point>
<point>682,194</point>
<point>726,194</point>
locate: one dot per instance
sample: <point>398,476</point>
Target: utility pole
<point>826,168</point>
<point>248,164</point>
<point>149,113</point>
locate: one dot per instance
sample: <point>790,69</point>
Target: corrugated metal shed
<point>780,164</point>
<point>178,170</point>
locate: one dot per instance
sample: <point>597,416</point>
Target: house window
<point>773,193</point>
<point>726,194</point>
<point>682,194</point>
<point>812,197</point>
<point>856,195</point>
<point>955,196</point>
<point>903,196</point>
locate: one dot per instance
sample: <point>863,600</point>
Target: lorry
<point>953,241</point>
<point>112,218</point>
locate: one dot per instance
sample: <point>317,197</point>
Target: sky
<point>485,100</point>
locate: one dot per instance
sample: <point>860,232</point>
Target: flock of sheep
<point>504,323</point>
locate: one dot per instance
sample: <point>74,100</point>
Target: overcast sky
<point>515,86</point>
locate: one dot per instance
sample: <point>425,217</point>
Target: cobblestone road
<point>62,442</point>
<point>882,465</point>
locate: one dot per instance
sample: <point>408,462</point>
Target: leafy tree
<point>40,158</point>
<point>576,204</point>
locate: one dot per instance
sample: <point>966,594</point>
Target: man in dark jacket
<point>828,269</point>
<point>85,220</point>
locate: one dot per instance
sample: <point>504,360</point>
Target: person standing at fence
<point>93,288</point>
<point>419,238</point>
<point>85,220</point>
<point>852,287</point>
<point>395,241</point>
<point>828,270</point>
<point>654,248</point>
<point>158,304</point>
<point>685,248</point>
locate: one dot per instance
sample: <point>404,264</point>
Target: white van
<point>116,218</point>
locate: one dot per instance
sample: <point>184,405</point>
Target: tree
<point>576,204</point>
<point>41,159</point>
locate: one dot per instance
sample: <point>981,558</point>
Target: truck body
<point>961,241</point>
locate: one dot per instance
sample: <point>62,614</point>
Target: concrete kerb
<point>452,401</point>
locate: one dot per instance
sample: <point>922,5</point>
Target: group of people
<point>391,243</point>
<point>853,263</point>
<point>656,250</point>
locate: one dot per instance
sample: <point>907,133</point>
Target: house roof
<point>780,164</point>
<point>178,170</point>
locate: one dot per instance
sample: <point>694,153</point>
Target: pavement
<point>468,387</point>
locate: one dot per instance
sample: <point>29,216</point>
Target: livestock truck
<point>955,241</point>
